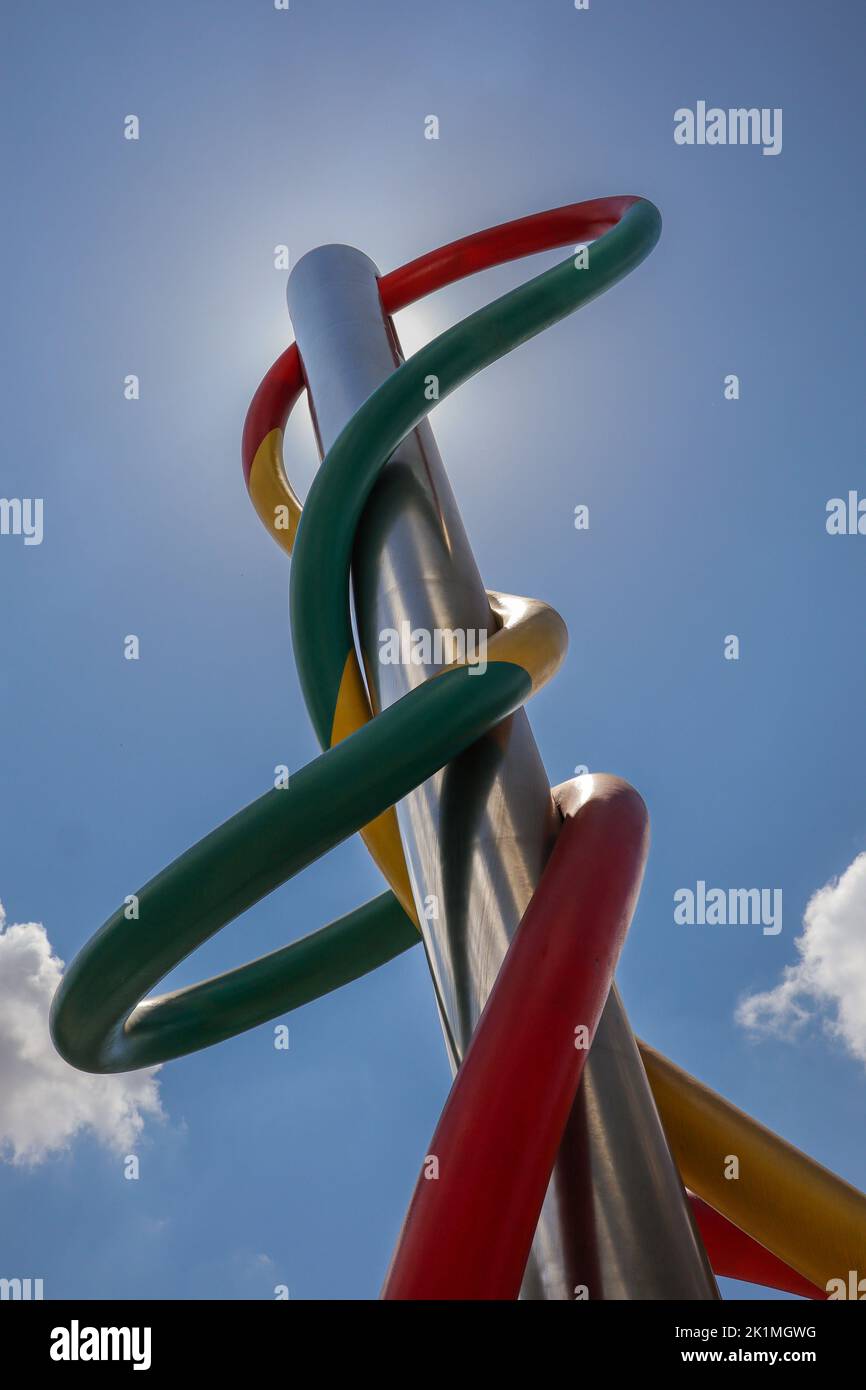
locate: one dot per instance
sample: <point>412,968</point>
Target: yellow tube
<point>798,1209</point>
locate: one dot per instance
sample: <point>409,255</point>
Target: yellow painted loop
<point>272,494</point>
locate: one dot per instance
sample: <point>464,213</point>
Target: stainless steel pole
<point>477,835</point>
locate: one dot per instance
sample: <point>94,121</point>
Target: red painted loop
<point>468,1230</point>
<point>526,236</point>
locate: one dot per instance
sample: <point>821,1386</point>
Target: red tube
<point>272,404</point>
<point>525,236</point>
<point>736,1255</point>
<point>468,1232</point>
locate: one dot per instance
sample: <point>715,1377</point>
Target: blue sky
<point>707,518</point>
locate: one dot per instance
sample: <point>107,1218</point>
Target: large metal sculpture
<point>569,1161</point>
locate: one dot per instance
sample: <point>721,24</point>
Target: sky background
<point>707,518</point>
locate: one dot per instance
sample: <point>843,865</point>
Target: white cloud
<point>44,1102</point>
<point>828,981</point>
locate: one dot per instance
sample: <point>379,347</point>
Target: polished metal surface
<point>477,835</point>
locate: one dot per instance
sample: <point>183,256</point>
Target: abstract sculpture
<point>542,999</point>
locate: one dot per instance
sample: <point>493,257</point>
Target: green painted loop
<point>94,1019</point>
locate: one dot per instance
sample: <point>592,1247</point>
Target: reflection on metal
<point>477,835</point>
